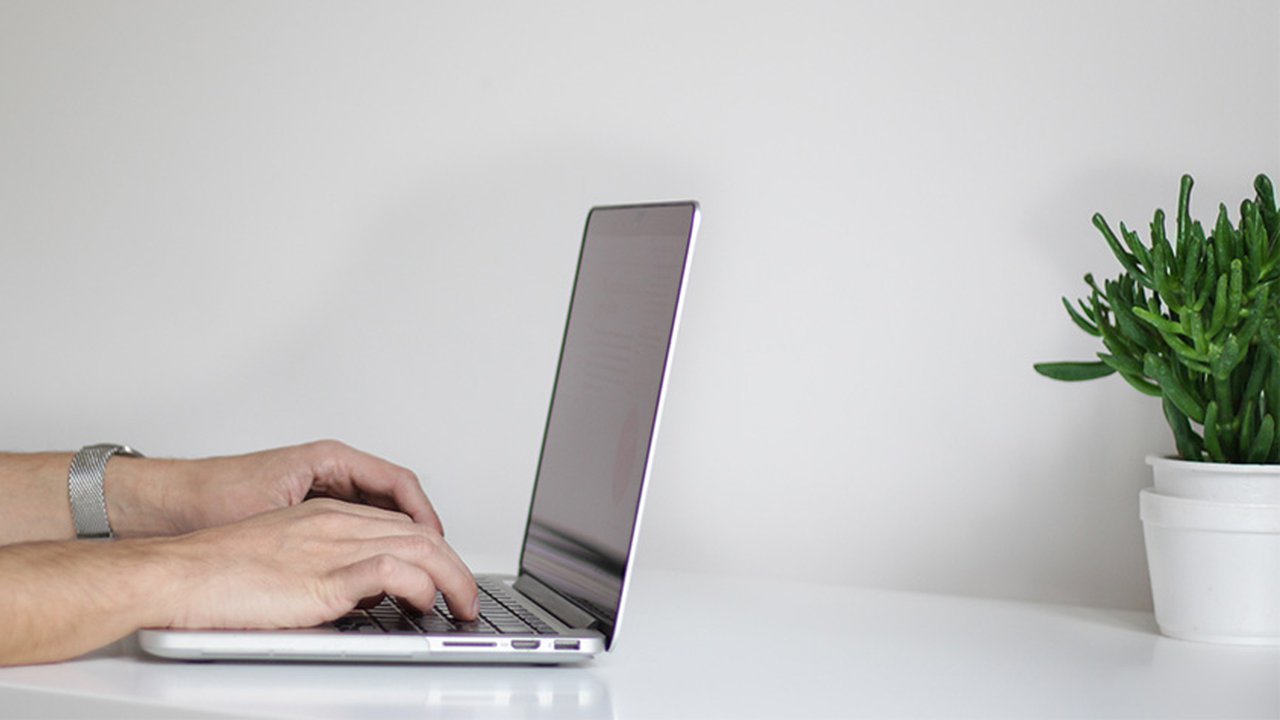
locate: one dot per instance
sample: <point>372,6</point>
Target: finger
<point>353,534</point>
<point>457,560</point>
<point>410,497</point>
<point>385,503</point>
<point>387,574</point>
<point>353,474</point>
<point>433,555</point>
<point>320,505</point>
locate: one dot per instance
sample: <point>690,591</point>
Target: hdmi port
<point>525,644</point>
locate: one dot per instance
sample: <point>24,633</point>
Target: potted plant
<point>1194,319</point>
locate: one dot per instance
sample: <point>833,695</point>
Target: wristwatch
<point>84,483</point>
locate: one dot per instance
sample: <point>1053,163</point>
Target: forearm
<point>62,599</point>
<point>35,505</point>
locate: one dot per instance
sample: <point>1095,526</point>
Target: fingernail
<point>475,607</point>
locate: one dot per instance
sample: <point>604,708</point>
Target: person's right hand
<point>308,564</point>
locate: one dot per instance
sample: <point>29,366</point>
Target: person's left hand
<point>167,497</point>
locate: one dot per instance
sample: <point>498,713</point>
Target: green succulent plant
<point>1195,322</point>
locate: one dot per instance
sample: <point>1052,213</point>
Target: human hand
<point>165,497</point>
<point>295,567</point>
<point>307,564</point>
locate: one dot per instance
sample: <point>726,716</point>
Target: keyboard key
<point>356,623</point>
<point>398,625</point>
<point>430,622</point>
<point>500,612</point>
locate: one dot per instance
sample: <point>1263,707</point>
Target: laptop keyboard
<point>501,613</point>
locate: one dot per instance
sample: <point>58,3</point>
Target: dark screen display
<point>604,406</point>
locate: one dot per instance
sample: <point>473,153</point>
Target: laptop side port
<point>568,645</point>
<point>525,644</point>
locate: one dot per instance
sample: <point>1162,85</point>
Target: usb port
<point>525,644</point>
<point>568,645</point>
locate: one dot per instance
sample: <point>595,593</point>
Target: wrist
<point>144,571</point>
<point>140,495</point>
<point>164,573</point>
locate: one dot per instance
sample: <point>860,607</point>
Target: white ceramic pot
<point>1213,547</point>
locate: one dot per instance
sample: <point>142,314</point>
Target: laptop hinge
<point>565,611</point>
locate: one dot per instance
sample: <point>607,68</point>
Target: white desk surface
<point>714,647</point>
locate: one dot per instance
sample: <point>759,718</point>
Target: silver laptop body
<point>589,490</point>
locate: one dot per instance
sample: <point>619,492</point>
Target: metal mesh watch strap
<point>84,482</point>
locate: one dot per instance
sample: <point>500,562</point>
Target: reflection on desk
<point>251,689</point>
<point>334,691</point>
<point>708,647</point>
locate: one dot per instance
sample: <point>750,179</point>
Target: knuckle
<point>325,451</point>
<point>328,519</point>
<point>385,565</point>
<point>422,545</point>
<point>330,446</point>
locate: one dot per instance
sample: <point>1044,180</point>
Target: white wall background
<point>226,226</point>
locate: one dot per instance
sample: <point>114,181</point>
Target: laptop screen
<point>605,403</point>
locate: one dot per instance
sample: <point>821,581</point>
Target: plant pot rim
<point>1216,467</point>
<point>1186,514</point>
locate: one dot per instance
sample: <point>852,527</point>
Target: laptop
<point>567,600</point>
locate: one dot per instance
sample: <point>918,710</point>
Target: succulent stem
<point>1196,323</point>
